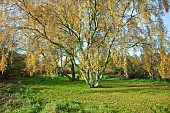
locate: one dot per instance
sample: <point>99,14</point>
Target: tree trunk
<point>73,71</point>
<point>98,79</point>
<point>91,82</point>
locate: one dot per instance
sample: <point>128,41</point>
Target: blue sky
<point>166,19</point>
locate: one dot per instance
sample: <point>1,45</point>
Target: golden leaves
<point>166,5</point>
<point>117,60</point>
<point>125,67</point>
<point>80,11</point>
<point>31,63</point>
<point>3,62</point>
<point>162,64</point>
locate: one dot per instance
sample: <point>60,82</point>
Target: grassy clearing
<point>53,95</point>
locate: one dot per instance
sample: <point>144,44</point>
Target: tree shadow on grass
<point>49,81</point>
<point>128,87</point>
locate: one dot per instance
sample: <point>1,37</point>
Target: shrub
<point>15,66</point>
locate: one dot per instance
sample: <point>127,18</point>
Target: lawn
<point>53,95</point>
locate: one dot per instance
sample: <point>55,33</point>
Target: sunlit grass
<point>113,95</point>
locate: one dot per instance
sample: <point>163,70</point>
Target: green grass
<point>53,95</point>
